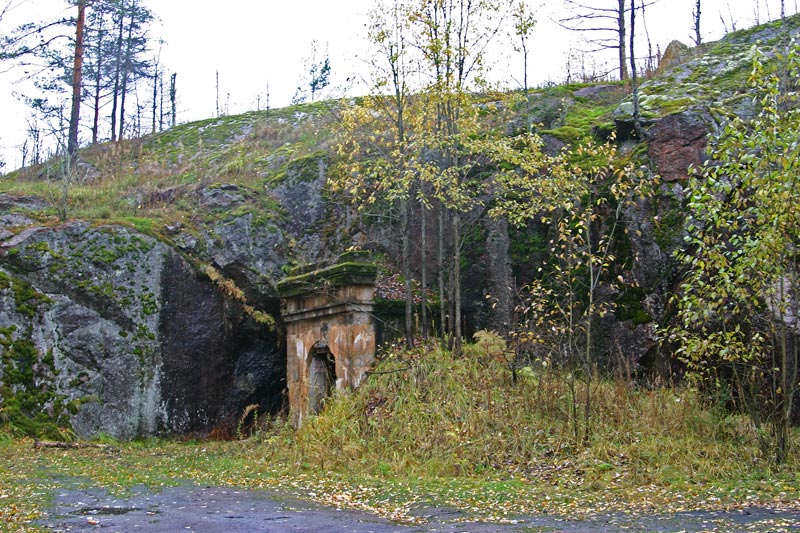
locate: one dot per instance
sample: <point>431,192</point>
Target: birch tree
<point>738,304</point>
<point>381,168</point>
<point>452,36</point>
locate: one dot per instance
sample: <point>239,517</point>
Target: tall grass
<point>435,415</point>
<point>429,429</point>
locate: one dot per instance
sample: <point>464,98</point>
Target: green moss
<point>149,304</point>
<point>44,249</point>
<point>345,273</point>
<point>26,298</point>
<point>30,405</point>
<point>669,107</point>
<point>75,405</point>
<point>630,305</point>
<point>584,116</point>
<point>102,255</point>
<point>668,227</point>
<point>104,289</point>
<point>581,120</point>
<point>568,134</point>
<point>7,334</point>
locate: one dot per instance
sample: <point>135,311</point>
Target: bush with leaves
<point>580,194</point>
<point>737,326</point>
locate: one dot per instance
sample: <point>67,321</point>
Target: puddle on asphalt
<point>105,511</point>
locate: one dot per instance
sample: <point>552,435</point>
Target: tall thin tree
<point>173,98</point>
<point>698,37</point>
<point>637,121</point>
<point>77,69</point>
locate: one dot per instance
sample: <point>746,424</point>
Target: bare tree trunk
<point>72,140</point>
<point>117,72</point>
<point>525,71</point>
<point>96,120</point>
<point>405,207</point>
<point>787,347</point>
<point>137,126</point>
<point>217,86</point>
<point>456,280</point>
<point>637,123</point>
<point>623,70</point>
<point>440,267</point>
<point>156,76</point>
<point>173,93</point>
<point>424,268</point>
<point>122,108</point>
<point>100,65</point>
<point>161,102</point>
<point>698,37</point>
<point>126,72</point>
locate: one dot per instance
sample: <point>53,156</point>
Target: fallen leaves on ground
<point>27,478</point>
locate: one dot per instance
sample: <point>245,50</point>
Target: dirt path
<point>213,509</point>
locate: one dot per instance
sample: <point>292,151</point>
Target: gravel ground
<point>213,509</point>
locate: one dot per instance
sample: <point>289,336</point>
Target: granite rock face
<point>678,141</point>
<point>132,338</point>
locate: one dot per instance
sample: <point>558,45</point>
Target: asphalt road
<point>214,509</point>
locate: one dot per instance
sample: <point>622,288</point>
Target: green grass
<point>437,430</point>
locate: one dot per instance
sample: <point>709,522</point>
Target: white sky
<point>259,43</point>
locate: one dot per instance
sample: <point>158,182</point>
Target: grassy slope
<point>152,181</point>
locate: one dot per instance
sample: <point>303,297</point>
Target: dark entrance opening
<point>321,376</point>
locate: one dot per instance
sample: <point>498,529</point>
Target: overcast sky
<point>260,45</point>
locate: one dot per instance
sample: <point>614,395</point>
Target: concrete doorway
<point>321,376</point>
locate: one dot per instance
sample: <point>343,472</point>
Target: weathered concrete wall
<point>338,318</point>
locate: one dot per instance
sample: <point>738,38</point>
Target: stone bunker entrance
<point>321,376</point>
<point>330,331</point>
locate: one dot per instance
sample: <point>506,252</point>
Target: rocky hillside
<point>138,296</point>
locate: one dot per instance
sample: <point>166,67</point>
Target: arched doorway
<point>321,376</point>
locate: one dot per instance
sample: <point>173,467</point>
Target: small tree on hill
<point>318,72</point>
<point>580,195</point>
<point>524,23</point>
